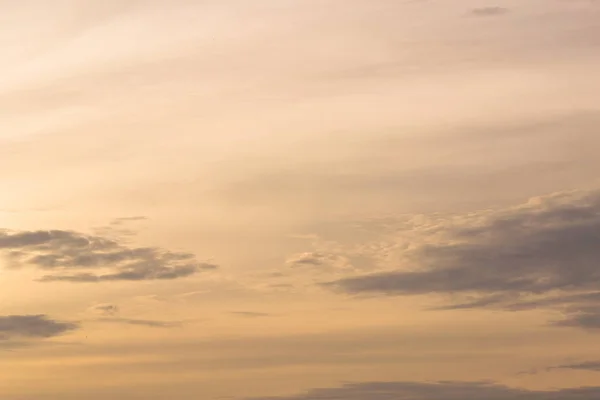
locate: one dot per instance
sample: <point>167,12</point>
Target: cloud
<point>250,314</point>
<point>489,11</point>
<point>78,257</point>
<point>310,259</point>
<point>321,260</point>
<point>32,327</point>
<point>105,309</point>
<point>118,228</point>
<point>512,258</point>
<point>110,312</point>
<point>143,322</point>
<point>586,366</point>
<point>437,391</point>
<point>122,220</point>
<point>592,366</point>
<point>583,316</point>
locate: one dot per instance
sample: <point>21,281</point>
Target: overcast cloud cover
<point>299,199</point>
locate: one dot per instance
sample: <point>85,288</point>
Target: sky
<point>299,199</point>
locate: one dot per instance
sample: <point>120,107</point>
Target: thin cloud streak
<point>142,322</point>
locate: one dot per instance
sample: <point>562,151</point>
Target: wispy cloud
<point>584,366</point>
<point>78,257</point>
<point>142,322</point>
<point>105,309</point>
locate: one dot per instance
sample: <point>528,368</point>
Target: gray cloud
<point>111,311</point>
<point>77,257</point>
<point>121,220</point>
<point>119,228</point>
<point>593,366</point>
<point>310,259</point>
<point>110,315</point>
<point>570,301</point>
<point>319,261</point>
<point>32,326</point>
<point>489,11</point>
<point>510,258</point>
<point>250,314</point>
<point>143,322</point>
<point>105,309</point>
<point>586,366</point>
<point>583,316</point>
<point>437,391</point>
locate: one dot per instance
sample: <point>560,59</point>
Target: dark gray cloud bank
<point>17,327</point>
<point>438,391</point>
<point>78,257</point>
<point>543,254</point>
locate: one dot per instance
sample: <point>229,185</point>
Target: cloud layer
<point>77,257</point>
<point>437,391</point>
<point>511,258</point>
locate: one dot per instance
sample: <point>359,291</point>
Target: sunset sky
<point>299,199</point>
